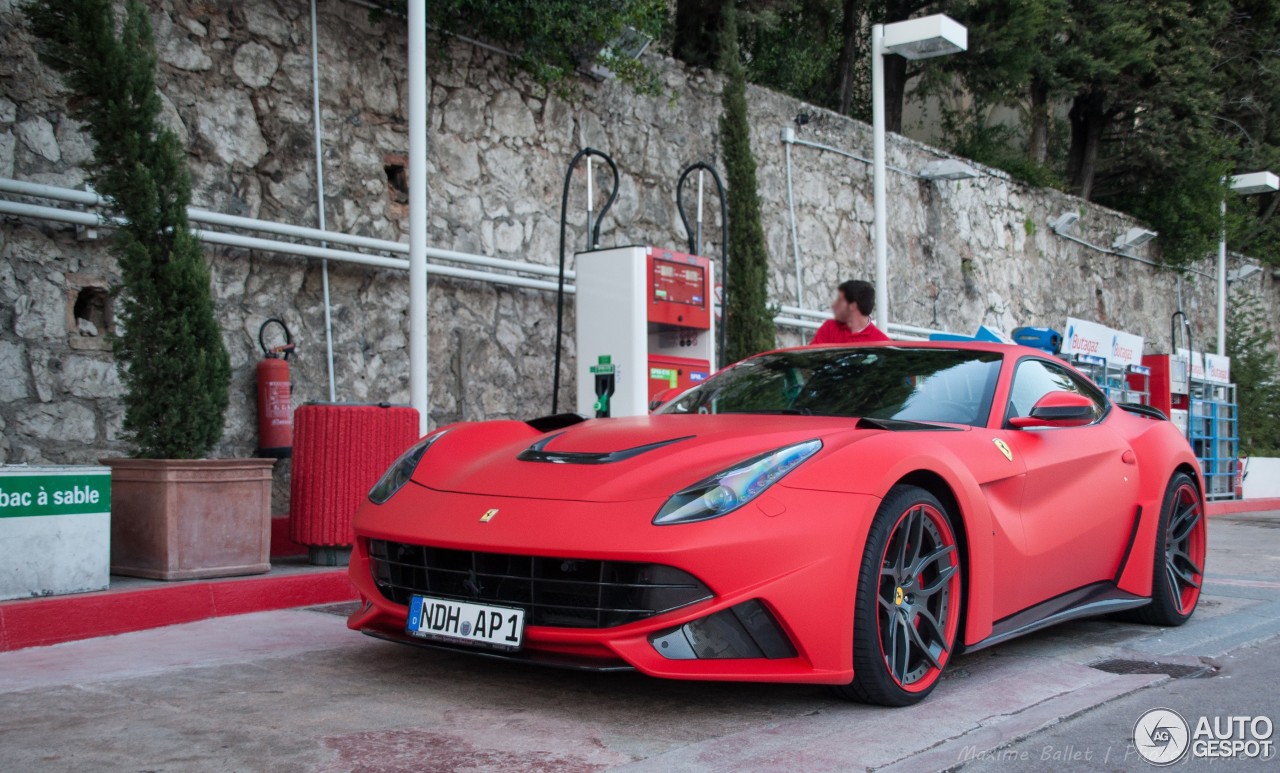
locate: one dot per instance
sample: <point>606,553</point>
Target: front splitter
<point>532,657</point>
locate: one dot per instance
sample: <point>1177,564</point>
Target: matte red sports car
<point>846,515</point>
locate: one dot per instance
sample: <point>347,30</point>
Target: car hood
<point>613,460</point>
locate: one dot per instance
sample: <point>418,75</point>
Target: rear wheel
<point>1178,570</point>
<point>907,611</point>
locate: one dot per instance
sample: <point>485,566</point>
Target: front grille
<point>559,592</point>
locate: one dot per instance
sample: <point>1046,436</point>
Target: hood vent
<point>538,453</point>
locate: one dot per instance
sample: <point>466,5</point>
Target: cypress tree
<point>170,353</point>
<point>748,319</point>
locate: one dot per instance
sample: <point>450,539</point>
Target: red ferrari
<point>844,515</point>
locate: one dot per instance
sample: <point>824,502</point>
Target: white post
<point>1222,283</point>
<point>591,204</point>
<point>324,264</point>
<point>880,226</point>
<point>418,210</point>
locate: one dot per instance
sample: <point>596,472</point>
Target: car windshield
<point>884,382</point>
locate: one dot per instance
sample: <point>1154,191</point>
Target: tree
<point>553,39</point>
<point>696,33</point>
<point>749,326</point>
<point>1257,376</point>
<point>791,46</point>
<point>170,355</point>
<point>1142,86</point>
<point>1249,116</point>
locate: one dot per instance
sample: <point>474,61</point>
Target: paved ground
<point>297,691</point>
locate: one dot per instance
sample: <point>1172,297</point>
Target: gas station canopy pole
<point>418,210</point>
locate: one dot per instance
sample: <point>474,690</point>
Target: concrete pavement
<point>296,691</point>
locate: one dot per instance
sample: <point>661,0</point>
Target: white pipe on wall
<point>791,316</point>
<point>418,385</point>
<point>22,188</point>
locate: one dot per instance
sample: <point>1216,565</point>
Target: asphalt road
<point>296,691</point>
<point>1244,683</point>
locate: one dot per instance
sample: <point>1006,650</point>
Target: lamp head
<point>1064,222</point>
<point>948,169</point>
<point>926,37</point>
<point>1134,237</point>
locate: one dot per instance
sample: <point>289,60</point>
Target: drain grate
<point>1175,670</point>
<point>344,609</point>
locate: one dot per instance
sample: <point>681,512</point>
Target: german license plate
<point>465,623</point>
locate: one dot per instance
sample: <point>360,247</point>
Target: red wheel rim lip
<point>952,624</point>
<point>1187,597</point>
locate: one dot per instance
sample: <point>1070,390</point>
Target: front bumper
<point>796,551</point>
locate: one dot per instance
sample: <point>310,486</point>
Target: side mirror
<point>663,397</point>
<point>1058,409</point>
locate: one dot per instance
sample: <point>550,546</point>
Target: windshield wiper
<point>778,411</point>
<point>902,425</point>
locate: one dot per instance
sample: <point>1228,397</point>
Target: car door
<point>1081,486</point>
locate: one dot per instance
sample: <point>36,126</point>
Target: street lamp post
<point>921,38</point>
<point>1245,185</point>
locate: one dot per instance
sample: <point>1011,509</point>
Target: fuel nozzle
<point>605,373</point>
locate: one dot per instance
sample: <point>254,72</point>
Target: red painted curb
<point>40,622</point>
<point>1233,506</point>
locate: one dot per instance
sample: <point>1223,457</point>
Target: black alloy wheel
<point>907,613</point>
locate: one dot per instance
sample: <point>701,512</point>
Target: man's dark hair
<point>861,294</point>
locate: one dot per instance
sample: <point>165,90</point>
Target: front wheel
<point>907,611</point>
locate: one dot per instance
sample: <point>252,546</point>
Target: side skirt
<point>1099,598</point>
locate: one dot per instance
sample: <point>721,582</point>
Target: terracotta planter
<point>179,519</point>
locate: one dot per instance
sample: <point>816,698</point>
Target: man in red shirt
<point>855,300</point>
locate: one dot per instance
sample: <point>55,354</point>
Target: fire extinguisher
<point>275,414</point>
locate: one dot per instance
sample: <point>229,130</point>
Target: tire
<point>908,601</point>
<point>1178,565</point>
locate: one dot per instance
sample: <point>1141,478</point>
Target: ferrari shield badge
<point>488,515</point>
<point>1004,448</point>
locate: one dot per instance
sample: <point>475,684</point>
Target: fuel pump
<point>645,316</point>
<point>647,313</point>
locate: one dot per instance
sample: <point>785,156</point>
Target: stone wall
<point>236,85</point>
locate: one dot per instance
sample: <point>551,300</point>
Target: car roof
<point>1014,350</point>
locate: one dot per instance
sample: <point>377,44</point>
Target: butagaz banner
<point>1217,368</point>
<point>1117,347</point>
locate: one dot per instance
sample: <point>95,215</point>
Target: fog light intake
<point>747,630</point>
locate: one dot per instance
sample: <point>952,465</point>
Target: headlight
<point>401,470</point>
<point>726,491</point>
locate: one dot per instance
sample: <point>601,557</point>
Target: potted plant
<point>175,515</point>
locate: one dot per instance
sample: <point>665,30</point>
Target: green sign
<point>24,494</point>
<point>669,375</point>
<point>604,365</point>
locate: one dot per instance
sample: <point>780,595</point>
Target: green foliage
<point>552,39</point>
<point>170,354</point>
<point>792,46</point>
<point>1147,82</point>
<point>1000,147</point>
<point>1249,115</point>
<point>1256,375</point>
<point>749,323</point>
